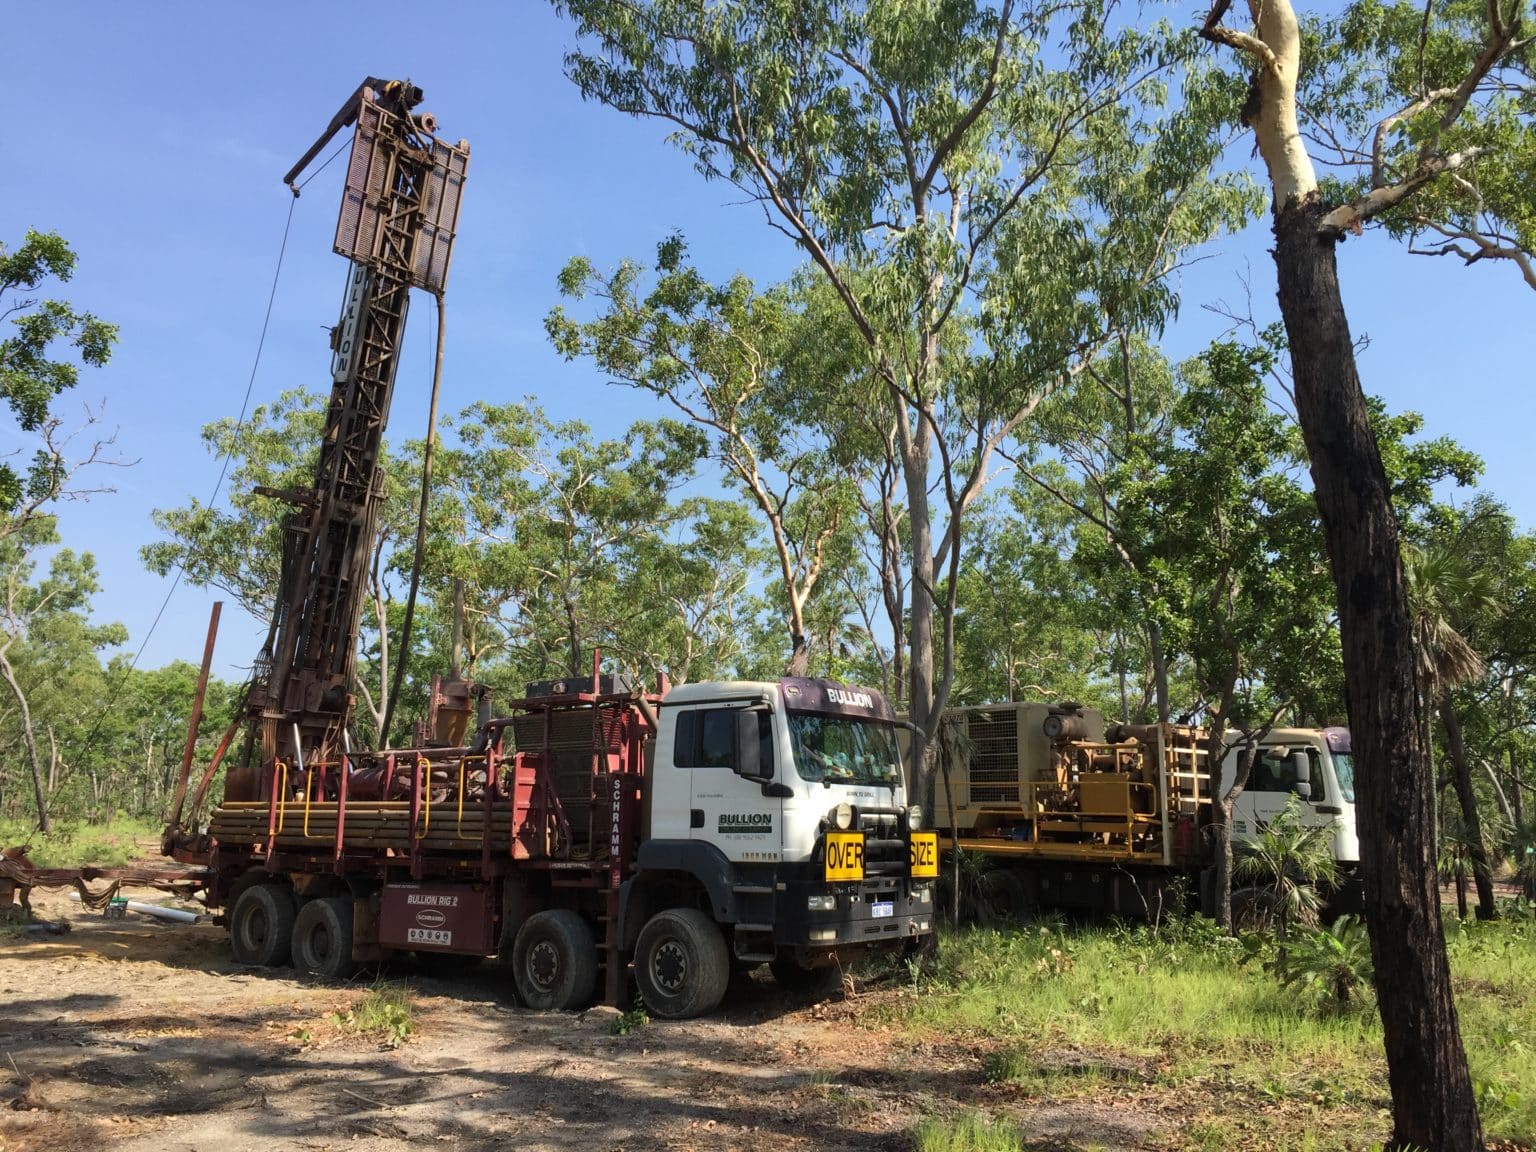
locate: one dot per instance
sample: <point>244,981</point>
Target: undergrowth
<point>1189,1008</point>
<point>384,1012</point>
<point>73,843</point>
<point>971,1132</point>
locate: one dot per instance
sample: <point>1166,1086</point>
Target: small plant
<point>971,1132</point>
<point>384,1011</point>
<point>1333,964</point>
<point>631,1020</point>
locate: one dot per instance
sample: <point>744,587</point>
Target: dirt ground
<point>136,1034</point>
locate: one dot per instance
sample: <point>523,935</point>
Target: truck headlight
<point>821,902</point>
<point>915,817</point>
<point>841,817</point>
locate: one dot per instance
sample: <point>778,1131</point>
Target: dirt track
<point>131,1035</point>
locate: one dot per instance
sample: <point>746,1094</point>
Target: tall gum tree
<point>1433,1105</point>
<point>968,178</point>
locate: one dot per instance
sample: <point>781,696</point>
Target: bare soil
<point>137,1034</point>
<point>142,1036</point>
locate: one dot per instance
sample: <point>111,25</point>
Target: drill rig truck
<point>1070,812</point>
<point>595,827</point>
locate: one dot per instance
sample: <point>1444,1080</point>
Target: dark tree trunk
<point>1432,1101</point>
<point>1461,777</point>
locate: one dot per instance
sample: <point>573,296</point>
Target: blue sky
<point>154,138</point>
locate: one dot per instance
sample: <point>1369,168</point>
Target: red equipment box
<point>437,918</point>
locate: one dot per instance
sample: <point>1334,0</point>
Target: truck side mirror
<point>1301,763</point>
<point>749,760</point>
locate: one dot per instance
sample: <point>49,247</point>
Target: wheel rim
<point>320,940</point>
<point>669,965</point>
<point>543,966</point>
<point>256,927</point>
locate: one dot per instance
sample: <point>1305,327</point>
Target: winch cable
<point>402,656</point>
<point>245,404</point>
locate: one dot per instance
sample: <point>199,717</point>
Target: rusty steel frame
<point>403,189</point>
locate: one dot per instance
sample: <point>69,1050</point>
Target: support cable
<point>245,404</point>
<point>402,657</point>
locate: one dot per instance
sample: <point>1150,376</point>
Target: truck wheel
<point>1253,909</point>
<point>681,964</point>
<point>1004,899</point>
<point>322,937</point>
<point>261,925</point>
<point>554,960</point>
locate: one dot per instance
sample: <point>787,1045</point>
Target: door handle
<point>696,818</point>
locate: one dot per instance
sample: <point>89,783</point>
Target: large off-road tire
<point>681,964</point>
<point>554,960</point>
<point>1004,898</point>
<point>322,937</point>
<point>261,924</point>
<point>1253,909</point>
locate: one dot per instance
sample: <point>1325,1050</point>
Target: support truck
<point>1071,812</point>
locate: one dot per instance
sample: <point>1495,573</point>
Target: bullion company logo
<point>750,822</point>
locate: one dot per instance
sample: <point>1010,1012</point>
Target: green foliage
<point>968,1132</point>
<point>75,842</point>
<point>1331,965</point>
<point>1177,1006</point>
<point>1378,60</point>
<point>1292,864</point>
<point>384,1013</point>
<point>632,1019</point>
<point>32,374</point>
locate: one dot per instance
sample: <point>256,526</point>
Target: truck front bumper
<point>874,912</point>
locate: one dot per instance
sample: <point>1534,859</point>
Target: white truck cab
<point>783,804</point>
<point>1314,767</point>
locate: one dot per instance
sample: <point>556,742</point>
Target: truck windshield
<point>1344,769</point>
<point>840,750</point>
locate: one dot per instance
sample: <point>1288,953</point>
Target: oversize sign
<point>845,855</point>
<point>923,855</point>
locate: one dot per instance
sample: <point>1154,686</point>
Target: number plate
<point>882,908</point>
<point>845,856</point>
<point>923,855</point>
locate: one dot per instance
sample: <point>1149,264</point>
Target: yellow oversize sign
<point>923,855</point>
<point>845,855</point>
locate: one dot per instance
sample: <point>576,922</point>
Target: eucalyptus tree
<point>567,543</point>
<point>239,548</point>
<point>719,355</point>
<point>45,629</point>
<point>1381,73</point>
<point>44,345</point>
<point>1212,518</point>
<point>989,190</point>
<point>1432,1094</point>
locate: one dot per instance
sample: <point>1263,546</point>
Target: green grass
<point>972,1132</point>
<point>73,843</point>
<point>383,1012</point>
<point>1182,1010</point>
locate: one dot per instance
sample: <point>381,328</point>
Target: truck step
<point>752,889</point>
<point>756,957</point>
<point>754,928</point>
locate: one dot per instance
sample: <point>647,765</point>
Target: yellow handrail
<point>307,779</point>
<point>426,812</point>
<point>460,828</point>
<point>280,782</point>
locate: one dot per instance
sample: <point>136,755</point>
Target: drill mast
<point>398,215</point>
